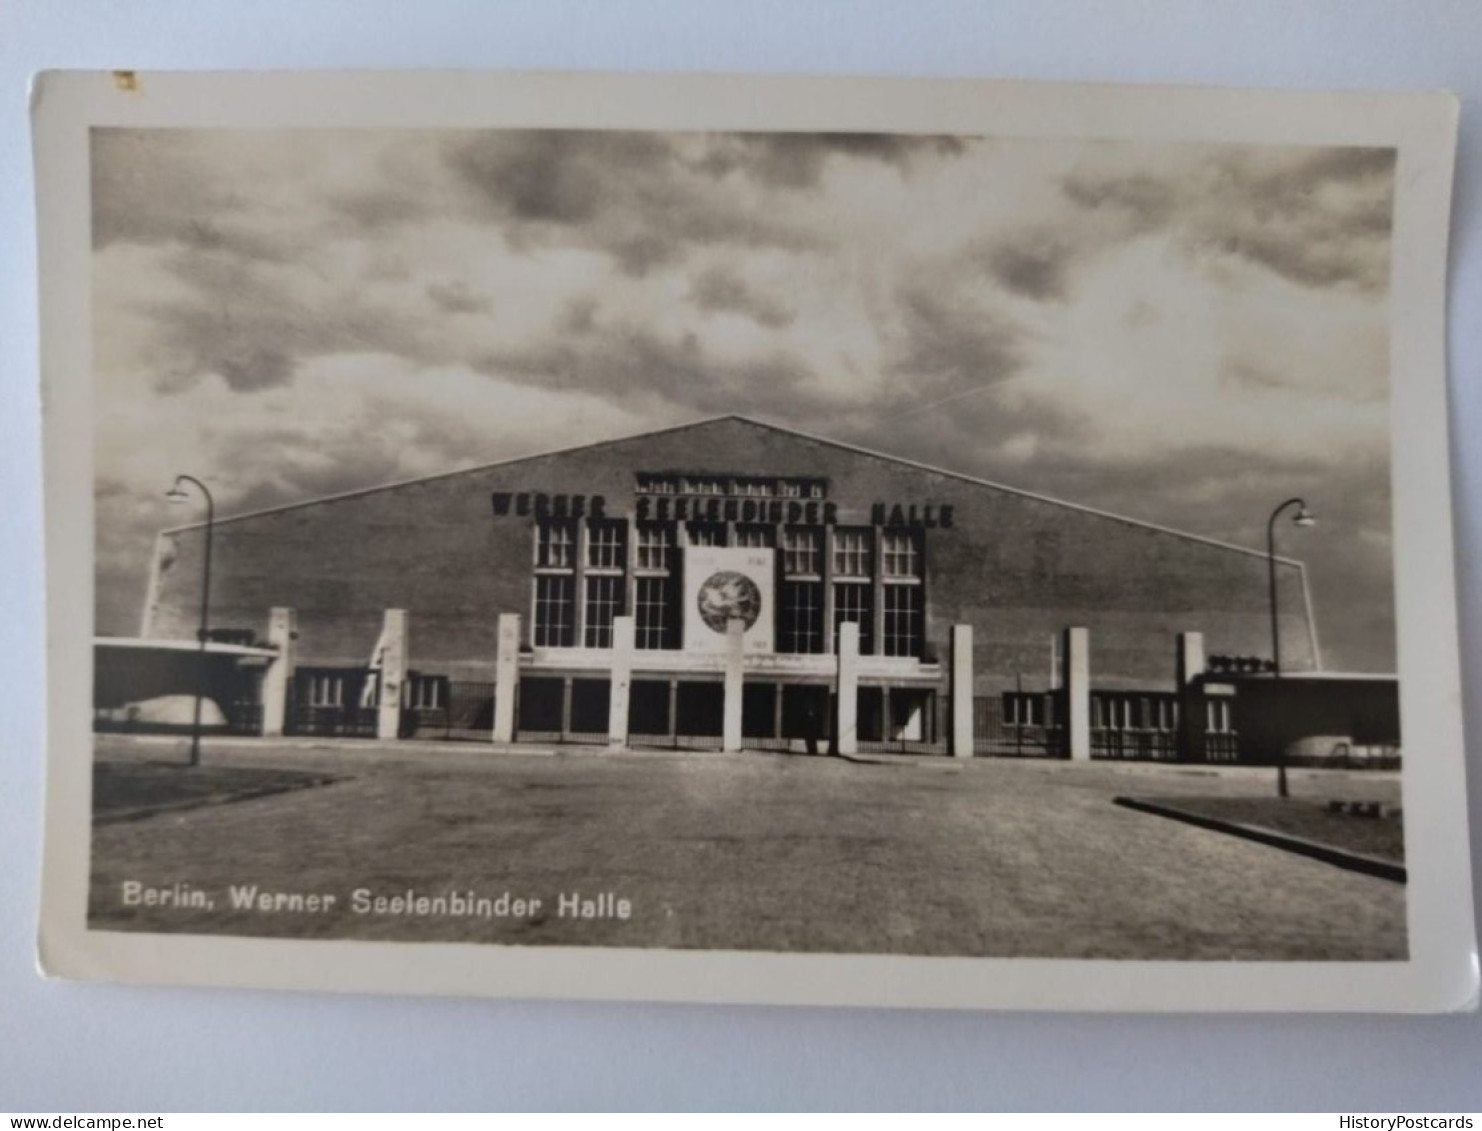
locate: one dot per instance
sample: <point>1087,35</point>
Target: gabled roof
<point>752,422</point>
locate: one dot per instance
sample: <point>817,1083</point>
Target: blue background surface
<point>82,1047</point>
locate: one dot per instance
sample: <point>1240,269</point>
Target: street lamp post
<point>177,494</point>
<point>1303,517</point>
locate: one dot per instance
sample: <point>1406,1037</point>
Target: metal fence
<point>331,722</point>
<point>1034,734</point>
<point>900,723</point>
<point>1125,726</point>
<point>463,711</point>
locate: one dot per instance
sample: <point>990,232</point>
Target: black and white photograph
<point>920,543</point>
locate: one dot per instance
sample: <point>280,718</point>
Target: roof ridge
<point>394,484</point>
<point>979,481</point>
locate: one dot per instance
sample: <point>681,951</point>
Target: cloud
<point>640,368</point>
<point>1177,332</point>
<point>719,289</point>
<point>145,181</point>
<point>642,198</point>
<point>798,160</point>
<point>253,323</point>
<point>1318,218</point>
<point>1139,203</point>
<point>951,339</point>
<point>456,297</point>
<point>1035,265</point>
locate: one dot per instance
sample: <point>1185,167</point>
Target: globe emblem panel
<point>726,594</point>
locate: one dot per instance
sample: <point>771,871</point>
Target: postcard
<point>759,539</point>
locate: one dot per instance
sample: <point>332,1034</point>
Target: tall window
<point>555,584</point>
<point>801,619</point>
<point>655,621</point>
<point>555,544</point>
<point>606,545</point>
<point>655,542</point>
<point>555,610</point>
<point>606,561</point>
<point>802,616</point>
<point>854,590</point>
<point>801,552</point>
<point>902,620</point>
<point>655,617</point>
<point>604,601</point>
<point>900,576</point>
<point>900,558</point>
<point>851,553</point>
<point>853,600</point>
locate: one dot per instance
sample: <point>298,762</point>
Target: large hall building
<point>734,583</point>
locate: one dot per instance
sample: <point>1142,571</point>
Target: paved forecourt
<point>747,851</point>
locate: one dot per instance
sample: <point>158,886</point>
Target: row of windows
<point>1128,712</point>
<point>656,619</point>
<point>802,547</point>
<point>607,544</point>
<point>328,690</point>
<point>801,619</point>
<point>1118,712</point>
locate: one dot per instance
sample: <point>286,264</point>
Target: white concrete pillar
<point>394,655</point>
<point>622,681</point>
<point>735,685</point>
<point>506,677</point>
<point>848,689</point>
<point>1190,658</point>
<point>962,690</point>
<point>282,632</point>
<point>1077,684</point>
<point>1190,666</point>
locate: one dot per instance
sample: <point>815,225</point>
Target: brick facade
<point>1016,567</point>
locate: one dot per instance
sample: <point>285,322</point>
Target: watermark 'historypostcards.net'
<point>785,540</point>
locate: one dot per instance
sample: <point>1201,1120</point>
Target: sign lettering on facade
<point>794,512</point>
<point>540,504</point>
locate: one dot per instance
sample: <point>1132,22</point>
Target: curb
<point>143,812</point>
<point>1353,861</point>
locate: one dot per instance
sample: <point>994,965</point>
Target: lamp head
<point>176,494</point>
<point>1304,517</point>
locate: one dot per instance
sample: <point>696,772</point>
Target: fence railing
<point>1036,734</point>
<point>1132,726</point>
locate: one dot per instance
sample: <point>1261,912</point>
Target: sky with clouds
<point>1185,334</point>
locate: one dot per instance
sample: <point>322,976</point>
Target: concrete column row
<point>393,657</point>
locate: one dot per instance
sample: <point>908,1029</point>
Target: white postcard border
<point>1441,972</point>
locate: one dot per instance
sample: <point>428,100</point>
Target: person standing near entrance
<point>812,718</point>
